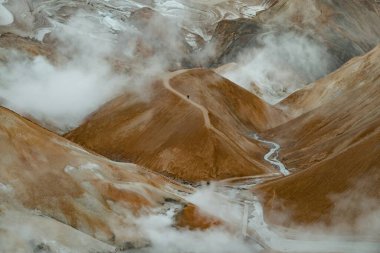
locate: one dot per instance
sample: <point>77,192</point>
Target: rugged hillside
<point>295,43</point>
<point>340,110</point>
<point>65,194</point>
<point>342,190</point>
<point>360,73</point>
<point>193,127</point>
<point>140,141</point>
<point>335,141</point>
<point>346,28</point>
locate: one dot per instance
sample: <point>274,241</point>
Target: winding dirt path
<point>204,111</point>
<point>166,82</point>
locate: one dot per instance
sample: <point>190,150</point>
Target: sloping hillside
<point>340,110</point>
<point>295,43</point>
<point>193,127</point>
<point>335,141</point>
<point>48,183</point>
<point>359,73</point>
<point>336,190</point>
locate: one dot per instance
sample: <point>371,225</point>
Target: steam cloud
<point>282,64</point>
<point>90,49</point>
<point>165,238</point>
<point>356,236</point>
<point>161,236</point>
<point>62,96</point>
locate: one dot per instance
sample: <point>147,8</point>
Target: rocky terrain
<point>189,126</point>
<point>323,34</point>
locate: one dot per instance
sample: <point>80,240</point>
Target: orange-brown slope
<point>336,191</point>
<point>192,128</point>
<point>44,172</point>
<point>228,102</point>
<point>29,46</point>
<point>337,143</point>
<point>352,75</point>
<point>341,110</point>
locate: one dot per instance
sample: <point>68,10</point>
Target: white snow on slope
<point>6,17</point>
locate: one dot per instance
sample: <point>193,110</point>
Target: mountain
<point>120,142</point>
<point>352,175</point>
<point>333,146</point>
<point>192,127</point>
<point>295,43</point>
<point>333,113</point>
<point>346,28</point>
<point>360,73</point>
<point>63,193</point>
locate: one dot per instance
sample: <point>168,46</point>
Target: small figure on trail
<point>188,96</point>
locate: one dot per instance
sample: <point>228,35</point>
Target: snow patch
<point>68,169</point>
<point>40,33</point>
<point>6,17</point>
<point>113,23</point>
<point>6,188</point>
<point>191,40</point>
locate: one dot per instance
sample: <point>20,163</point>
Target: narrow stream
<point>272,155</point>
